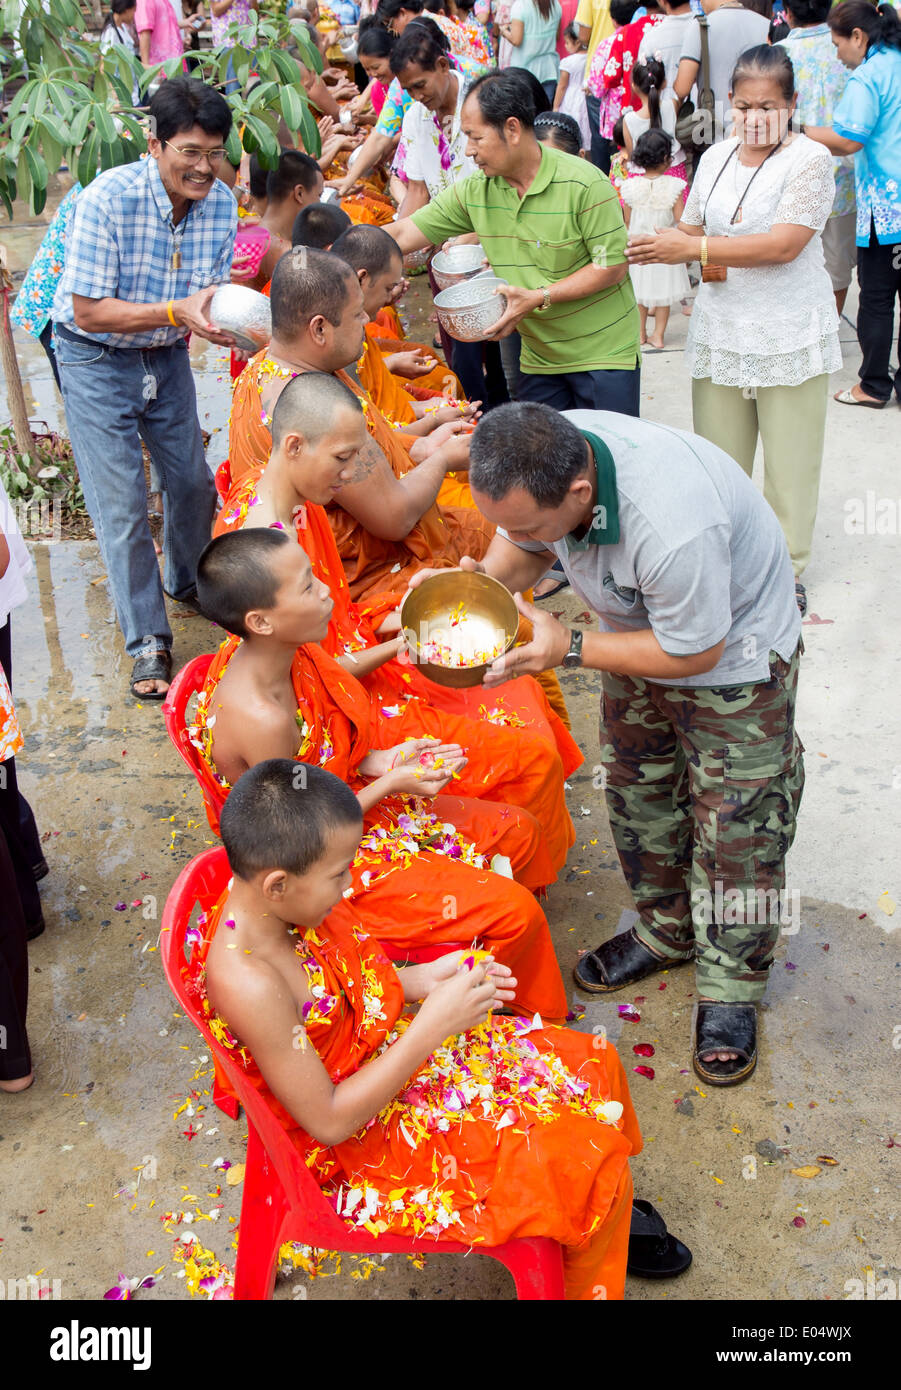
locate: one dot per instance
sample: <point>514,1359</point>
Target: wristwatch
<point>573,657</point>
<point>546,302</point>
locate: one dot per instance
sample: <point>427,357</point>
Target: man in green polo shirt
<point>551,225</point>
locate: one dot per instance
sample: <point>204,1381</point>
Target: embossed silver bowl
<point>467,310</point>
<point>457,263</point>
<point>243,312</point>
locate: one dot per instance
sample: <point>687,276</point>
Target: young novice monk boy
<point>445,1122</point>
<point>422,873</point>
<point>318,429</point>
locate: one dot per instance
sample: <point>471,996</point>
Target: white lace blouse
<point>768,325</point>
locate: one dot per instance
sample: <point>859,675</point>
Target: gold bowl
<point>474,608</point>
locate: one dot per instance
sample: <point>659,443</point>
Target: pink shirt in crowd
<point>165,36</point>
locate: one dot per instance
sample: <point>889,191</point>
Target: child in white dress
<point>653,201</point>
<point>570,95</point>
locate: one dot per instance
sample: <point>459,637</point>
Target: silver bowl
<point>244,313</point>
<point>467,310</point>
<point>457,263</point>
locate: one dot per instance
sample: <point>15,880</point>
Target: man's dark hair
<point>367,248</point>
<point>306,283</point>
<point>294,167</point>
<point>280,815</point>
<point>422,44</point>
<point>257,179</point>
<point>234,576</point>
<point>539,95</point>
<point>806,12</point>
<point>386,11</point>
<point>309,404</point>
<point>183,102</point>
<point>501,95</point>
<point>318,225</point>
<point>529,446</point>
<point>623,11</point>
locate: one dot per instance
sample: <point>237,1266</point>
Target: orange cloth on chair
<point>521,703</point>
<point>413,879</point>
<point>543,1152</point>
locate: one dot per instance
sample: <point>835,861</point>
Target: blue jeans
<point>601,390</point>
<point>114,398</point>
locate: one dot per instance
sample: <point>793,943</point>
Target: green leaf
<point>262,95</point>
<point>309,133</point>
<point>233,145</point>
<point>103,122</point>
<point>79,127</point>
<point>285,66</point>
<point>309,53</point>
<point>110,154</point>
<point>51,147</point>
<point>292,108</point>
<point>37,170</point>
<point>24,178</point>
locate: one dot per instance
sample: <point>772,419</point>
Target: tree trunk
<point>14,393</point>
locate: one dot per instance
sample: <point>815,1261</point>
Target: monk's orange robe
<point>521,703</point>
<point>422,874</point>
<point>388,332</point>
<point>502,1133</point>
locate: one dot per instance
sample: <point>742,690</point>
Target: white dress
<point>573,102</point>
<point>651,203</point>
<point>768,325</point>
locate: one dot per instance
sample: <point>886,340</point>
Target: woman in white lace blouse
<point>764,331</point>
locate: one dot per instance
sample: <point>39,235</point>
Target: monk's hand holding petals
<point>549,644</point>
<point>458,1003</point>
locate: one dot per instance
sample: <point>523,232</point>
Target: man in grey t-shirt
<point>669,542</point>
<point>731,29</point>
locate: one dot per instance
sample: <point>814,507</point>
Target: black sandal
<point>801,597</point>
<point>156,667</point>
<point>653,1252</point>
<point>619,962</point>
<point>722,1027</point>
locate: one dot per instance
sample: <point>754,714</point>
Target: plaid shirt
<point>121,243</point>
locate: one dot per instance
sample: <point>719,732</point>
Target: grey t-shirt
<point>730,32</point>
<point>701,555</point>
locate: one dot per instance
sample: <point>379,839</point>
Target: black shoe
<point>187,600</point>
<point>619,962</point>
<point>653,1252</point>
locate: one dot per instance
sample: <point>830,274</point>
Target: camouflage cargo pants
<point>703,787</point>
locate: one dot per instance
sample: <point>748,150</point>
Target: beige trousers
<point>791,423</point>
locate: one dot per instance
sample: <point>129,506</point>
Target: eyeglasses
<point>193,155</point>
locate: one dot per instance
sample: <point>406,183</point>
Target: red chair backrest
<point>190,681</point>
<point>201,883</point>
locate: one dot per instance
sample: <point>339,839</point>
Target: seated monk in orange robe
<point>374,256</point>
<point>387,332</point>
<point>422,874</point>
<point>387,525</point>
<point>318,428</point>
<point>446,1123</point>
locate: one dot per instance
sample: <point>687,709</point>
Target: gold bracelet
<point>703,251</point>
<point>169,314</point>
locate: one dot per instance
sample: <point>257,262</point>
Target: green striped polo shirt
<point>570,217</point>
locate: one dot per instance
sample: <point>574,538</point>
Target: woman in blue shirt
<point>867,124</point>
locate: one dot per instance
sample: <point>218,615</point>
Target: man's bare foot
<point>716,1056</point>
<point>656,343</point>
<point>860,395</point>
<point>20,1084</point>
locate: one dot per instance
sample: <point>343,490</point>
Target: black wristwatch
<point>574,655</point>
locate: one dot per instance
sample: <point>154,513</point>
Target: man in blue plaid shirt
<point>148,245</point>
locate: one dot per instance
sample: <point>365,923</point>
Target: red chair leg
<point>223,1095</point>
<point>536,1264</point>
<point>264,1210</point>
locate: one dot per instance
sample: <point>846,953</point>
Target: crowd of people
<point>608,159</point>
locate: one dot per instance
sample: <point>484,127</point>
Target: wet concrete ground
<point>115,1059</point>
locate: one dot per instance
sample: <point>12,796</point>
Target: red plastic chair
<point>190,681</point>
<point>282,1200</point>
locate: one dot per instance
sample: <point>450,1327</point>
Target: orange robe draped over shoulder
<point>422,874</point>
<point>510,1130</point>
<point>520,704</point>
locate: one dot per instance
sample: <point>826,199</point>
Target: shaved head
<point>309,406</point>
<point>235,575</point>
<point>367,248</point>
<point>307,283</point>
